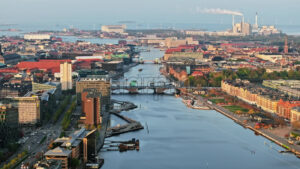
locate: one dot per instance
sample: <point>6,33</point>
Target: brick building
<point>101,83</point>
<point>295,114</point>
<point>91,106</point>
<point>284,108</point>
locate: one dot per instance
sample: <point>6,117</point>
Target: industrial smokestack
<point>256,19</point>
<point>243,20</point>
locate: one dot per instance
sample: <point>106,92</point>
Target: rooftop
<point>259,89</point>
<point>58,151</point>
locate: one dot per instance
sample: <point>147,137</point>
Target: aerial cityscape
<point>171,84</point>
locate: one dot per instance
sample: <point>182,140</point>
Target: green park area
<point>236,109</point>
<point>216,101</point>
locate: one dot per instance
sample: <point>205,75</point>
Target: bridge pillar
<point>178,91</point>
<point>159,90</point>
<point>133,91</point>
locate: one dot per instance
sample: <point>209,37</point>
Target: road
<point>50,131</point>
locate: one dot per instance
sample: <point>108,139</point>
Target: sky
<point>271,12</point>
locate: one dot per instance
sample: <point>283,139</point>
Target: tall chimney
<point>256,19</point>
<point>233,22</point>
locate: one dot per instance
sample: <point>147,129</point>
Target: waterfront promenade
<point>240,120</point>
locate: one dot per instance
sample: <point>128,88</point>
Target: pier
<point>131,125</point>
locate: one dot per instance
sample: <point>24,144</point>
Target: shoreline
<point>295,149</point>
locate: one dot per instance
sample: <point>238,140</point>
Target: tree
<point>296,125</point>
<point>251,111</point>
<point>74,163</point>
<point>19,156</point>
<point>14,161</point>
<point>238,112</point>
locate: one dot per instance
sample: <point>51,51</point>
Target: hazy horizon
<point>271,12</point>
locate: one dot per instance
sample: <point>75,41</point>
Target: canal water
<point>183,138</point>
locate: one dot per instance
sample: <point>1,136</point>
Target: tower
<point>256,20</point>
<point>233,22</point>
<point>66,75</point>
<point>255,26</point>
<point>286,47</point>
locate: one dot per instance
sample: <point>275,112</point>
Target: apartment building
<point>29,110</point>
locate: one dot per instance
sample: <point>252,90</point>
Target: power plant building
<point>243,28</point>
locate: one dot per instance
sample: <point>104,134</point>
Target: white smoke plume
<point>219,11</point>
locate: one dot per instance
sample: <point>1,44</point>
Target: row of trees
<point>15,160</point>
<point>62,108</point>
<point>253,75</point>
<point>67,118</point>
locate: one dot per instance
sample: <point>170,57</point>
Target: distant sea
<point>25,28</point>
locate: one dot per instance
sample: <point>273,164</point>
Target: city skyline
<point>133,83</point>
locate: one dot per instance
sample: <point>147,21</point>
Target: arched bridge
<point>135,89</point>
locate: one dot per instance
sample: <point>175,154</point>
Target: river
<point>184,138</point>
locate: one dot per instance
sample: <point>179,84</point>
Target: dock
<point>131,125</point>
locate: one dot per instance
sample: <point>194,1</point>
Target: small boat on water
<point>140,70</point>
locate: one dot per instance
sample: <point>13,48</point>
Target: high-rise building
<point>91,106</point>
<point>101,83</point>
<point>66,75</point>
<point>29,110</point>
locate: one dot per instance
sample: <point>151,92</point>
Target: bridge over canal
<point>148,85</point>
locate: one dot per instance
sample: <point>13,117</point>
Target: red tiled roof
<point>9,70</point>
<point>46,65</point>
<point>197,73</point>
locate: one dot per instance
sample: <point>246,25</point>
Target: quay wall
<point>279,141</point>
